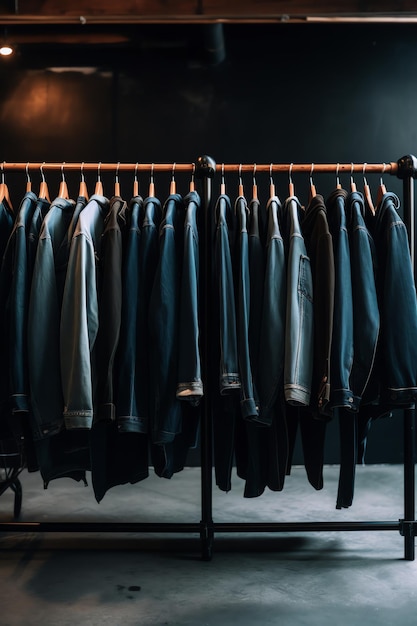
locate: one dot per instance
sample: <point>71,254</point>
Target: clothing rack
<point>204,169</point>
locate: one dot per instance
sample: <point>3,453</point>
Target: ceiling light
<point>6,50</point>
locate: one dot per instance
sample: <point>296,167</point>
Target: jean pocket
<point>305,280</point>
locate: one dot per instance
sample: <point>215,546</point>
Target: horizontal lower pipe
<point>132,527</point>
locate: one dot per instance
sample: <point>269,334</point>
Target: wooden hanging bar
<point>386,168</point>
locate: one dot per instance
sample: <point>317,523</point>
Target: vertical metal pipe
<point>409,414</point>
<point>205,169</point>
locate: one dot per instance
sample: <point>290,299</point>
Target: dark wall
<point>285,93</point>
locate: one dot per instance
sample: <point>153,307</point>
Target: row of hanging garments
<point>317,320</point>
<point>312,317</point>
<point>99,347</point>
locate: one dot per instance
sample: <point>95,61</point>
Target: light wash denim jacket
<point>299,326</point>
<point>79,315</point>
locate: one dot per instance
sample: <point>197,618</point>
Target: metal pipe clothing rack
<point>204,169</point>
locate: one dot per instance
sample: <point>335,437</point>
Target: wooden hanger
<point>116,181</point>
<point>28,181</point>
<point>63,189</point>
<point>43,189</point>
<point>222,183</point>
<point>192,183</point>
<point>313,191</point>
<point>381,189</point>
<point>291,190</point>
<point>151,184</point>
<point>173,185</point>
<point>99,185</point>
<point>136,182</point>
<point>4,190</point>
<point>82,191</point>
<point>338,184</point>
<point>271,183</point>
<point>367,192</point>
<point>240,186</point>
<point>254,184</point>
<point>352,182</point>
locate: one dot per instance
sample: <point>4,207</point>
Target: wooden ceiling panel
<point>107,7</point>
<point>259,8</point>
<point>175,11</point>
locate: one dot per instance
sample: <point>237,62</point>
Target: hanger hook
<point>136,171</point>
<point>27,172</point>
<point>193,173</point>
<point>254,175</point>
<point>152,169</point>
<point>290,173</point>
<point>351,173</point>
<point>98,172</point>
<point>42,174</point>
<point>222,173</point>
<point>62,172</point>
<point>2,172</point>
<point>337,174</point>
<point>82,173</point>
<point>384,167</point>
<point>240,174</point>
<point>117,172</point>
<point>311,173</point>
<point>173,172</point>
<point>363,172</point>
<point>270,174</point>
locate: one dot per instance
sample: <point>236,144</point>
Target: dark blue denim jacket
<point>110,308</point>
<point>127,378</point>
<point>341,359</point>
<point>190,385</point>
<point>229,369</point>
<point>397,350</point>
<point>248,407</point>
<point>148,261</point>
<point>14,295</point>
<point>272,342</point>
<point>6,226</point>
<point>366,315</point>
<point>166,409</point>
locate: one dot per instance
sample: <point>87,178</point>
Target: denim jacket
<point>341,394</point>
<point>79,315</point>
<point>127,380</point>
<point>6,226</point>
<point>248,407</point>
<point>299,325</point>
<point>14,295</point>
<point>44,324</point>
<point>110,307</point>
<point>366,315</point>
<point>229,369</point>
<point>165,408</point>
<point>190,385</point>
<point>148,261</point>
<point>272,341</point>
<point>397,304</point>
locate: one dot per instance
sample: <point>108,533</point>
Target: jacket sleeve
<point>79,326</point>
<point>43,344</point>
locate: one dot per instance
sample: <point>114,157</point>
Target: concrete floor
<point>332,579</point>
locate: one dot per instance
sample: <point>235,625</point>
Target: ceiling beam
<point>203,11</point>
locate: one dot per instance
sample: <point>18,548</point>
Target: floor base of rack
<point>207,538</point>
